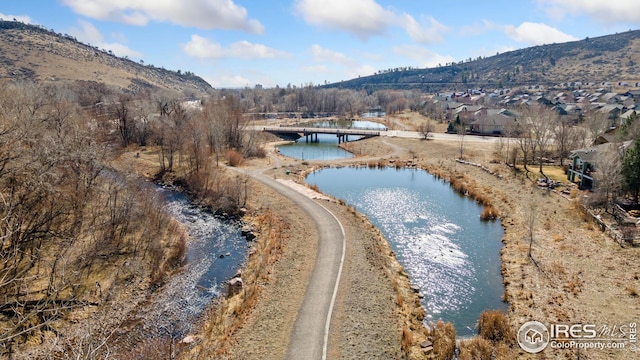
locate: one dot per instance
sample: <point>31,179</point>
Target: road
<point>439,136</point>
<point>417,135</point>
<point>309,337</point>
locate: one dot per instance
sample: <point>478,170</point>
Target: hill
<point>35,53</point>
<point>610,58</point>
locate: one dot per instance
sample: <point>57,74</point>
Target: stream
<point>216,250</point>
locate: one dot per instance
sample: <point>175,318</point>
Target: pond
<point>436,234</point>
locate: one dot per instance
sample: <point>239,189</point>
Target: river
<point>437,235</point>
<point>216,250</point>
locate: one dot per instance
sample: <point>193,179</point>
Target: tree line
<point>67,217</point>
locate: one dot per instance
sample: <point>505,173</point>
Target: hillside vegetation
<point>29,52</point>
<point>592,60</point>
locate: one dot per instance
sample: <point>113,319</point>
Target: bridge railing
<point>333,127</point>
<point>319,130</point>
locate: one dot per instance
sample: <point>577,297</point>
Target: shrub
<point>476,348</point>
<point>493,325</point>
<point>444,340</point>
<point>632,291</point>
<point>233,157</point>
<point>177,253</point>
<point>503,352</point>
<point>489,213</point>
<point>407,339</point>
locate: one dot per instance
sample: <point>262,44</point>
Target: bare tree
<point>60,211</point>
<point>564,135</point>
<point>608,174</point>
<point>123,118</point>
<point>510,130</point>
<point>596,122</point>
<point>541,129</point>
<point>426,128</point>
<point>525,142</point>
<point>224,122</point>
<point>168,132</point>
<point>534,132</point>
<point>461,129</point>
<point>531,225</point>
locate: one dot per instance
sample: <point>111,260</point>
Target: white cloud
<point>336,64</point>
<point>21,18</point>
<point>422,56</point>
<point>536,34</point>
<point>204,14</point>
<point>366,18</point>
<point>609,12</point>
<point>88,33</point>
<point>322,55</point>
<point>428,32</point>
<point>200,47</point>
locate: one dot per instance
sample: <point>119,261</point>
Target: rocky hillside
<point>33,52</point>
<point>612,58</point>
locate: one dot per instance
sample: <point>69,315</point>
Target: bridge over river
<point>311,133</point>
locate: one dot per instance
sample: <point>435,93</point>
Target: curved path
<point>309,337</point>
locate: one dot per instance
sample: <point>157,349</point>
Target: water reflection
<point>325,149</point>
<point>436,234</point>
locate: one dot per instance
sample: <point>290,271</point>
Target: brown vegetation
<point>30,52</point>
<point>69,223</point>
<point>75,211</point>
<point>228,314</point>
<point>494,326</point>
<point>443,336</point>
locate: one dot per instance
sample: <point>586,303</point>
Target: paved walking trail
<point>309,338</point>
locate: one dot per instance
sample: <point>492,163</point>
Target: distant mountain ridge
<point>33,52</point>
<point>611,58</point>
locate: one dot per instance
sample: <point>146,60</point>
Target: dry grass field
<point>36,54</point>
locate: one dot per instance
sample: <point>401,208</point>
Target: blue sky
<point>237,43</point>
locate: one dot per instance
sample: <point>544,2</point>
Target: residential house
<point>609,98</point>
<point>609,136</point>
<point>571,110</point>
<point>582,167</point>
<point>466,113</point>
<point>584,162</point>
<point>627,115</point>
<point>613,112</point>
<point>493,124</point>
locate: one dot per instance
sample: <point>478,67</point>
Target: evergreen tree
<point>451,129</point>
<point>631,169</point>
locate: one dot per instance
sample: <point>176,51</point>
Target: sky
<point>242,43</point>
